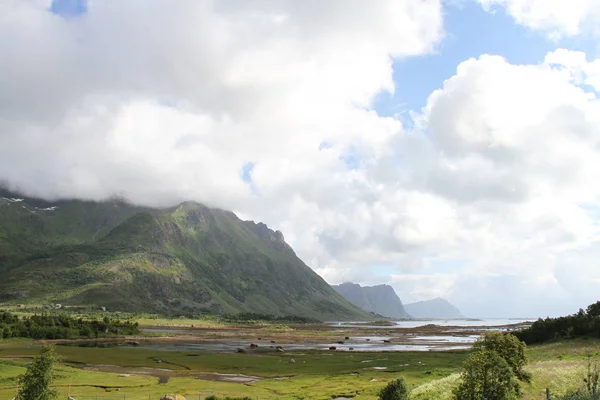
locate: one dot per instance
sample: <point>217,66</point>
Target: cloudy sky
<point>448,148</point>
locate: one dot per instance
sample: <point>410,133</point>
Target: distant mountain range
<point>383,300</point>
<point>380,299</point>
<point>184,259</point>
<point>437,308</point>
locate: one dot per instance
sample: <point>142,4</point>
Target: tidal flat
<point>196,360</point>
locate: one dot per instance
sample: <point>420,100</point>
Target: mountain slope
<point>187,258</point>
<point>380,299</point>
<point>437,308</point>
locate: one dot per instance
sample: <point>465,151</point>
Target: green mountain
<point>188,258</point>
<point>380,299</point>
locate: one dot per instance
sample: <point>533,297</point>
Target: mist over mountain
<point>187,258</point>
<point>437,308</point>
<point>380,299</point>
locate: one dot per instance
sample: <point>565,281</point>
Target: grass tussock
<point>440,389</point>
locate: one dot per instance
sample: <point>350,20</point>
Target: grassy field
<point>313,375</point>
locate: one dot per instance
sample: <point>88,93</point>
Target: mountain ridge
<point>379,299</point>
<point>185,258</point>
<point>437,308</point>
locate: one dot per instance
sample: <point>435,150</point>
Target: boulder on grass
<point>172,397</point>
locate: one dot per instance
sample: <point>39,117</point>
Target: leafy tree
<point>593,310</point>
<point>583,323</point>
<point>510,348</point>
<point>486,375</point>
<point>494,369</point>
<point>35,384</point>
<point>395,390</point>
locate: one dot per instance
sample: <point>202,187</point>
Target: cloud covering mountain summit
<point>269,109</point>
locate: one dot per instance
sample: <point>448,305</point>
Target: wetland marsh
<point>198,359</point>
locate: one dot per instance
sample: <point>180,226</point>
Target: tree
<point>487,376</point>
<point>395,390</point>
<point>494,369</point>
<point>593,310</point>
<point>35,384</point>
<point>510,348</point>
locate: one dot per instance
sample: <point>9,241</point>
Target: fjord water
<point>416,323</point>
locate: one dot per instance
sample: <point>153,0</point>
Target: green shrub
<point>395,390</point>
<point>62,327</point>
<point>576,395</point>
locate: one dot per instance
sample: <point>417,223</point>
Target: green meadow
<point>312,375</point>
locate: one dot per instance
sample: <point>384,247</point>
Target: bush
<point>61,327</point>
<point>576,395</point>
<point>395,390</point>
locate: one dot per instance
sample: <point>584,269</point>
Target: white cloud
<point>133,97</point>
<point>509,163</point>
<point>582,71</point>
<point>516,151</point>
<point>160,107</point>
<point>558,18</point>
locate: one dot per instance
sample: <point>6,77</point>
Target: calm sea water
<point>490,322</point>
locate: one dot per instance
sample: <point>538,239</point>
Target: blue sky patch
<point>470,32</point>
<point>69,8</point>
<point>246,175</point>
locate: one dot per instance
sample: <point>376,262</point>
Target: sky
<point>447,148</point>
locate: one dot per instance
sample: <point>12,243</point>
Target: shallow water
<point>232,346</point>
<point>453,340</point>
<point>447,339</point>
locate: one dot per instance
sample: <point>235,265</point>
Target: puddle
<point>213,376</point>
<point>368,339</point>
<point>164,374</point>
<point>447,339</point>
